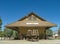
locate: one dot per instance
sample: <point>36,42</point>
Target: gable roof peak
<point>32,13</point>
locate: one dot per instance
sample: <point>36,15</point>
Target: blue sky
<point>12,10</point>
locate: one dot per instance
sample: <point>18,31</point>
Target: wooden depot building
<point>31,26</point>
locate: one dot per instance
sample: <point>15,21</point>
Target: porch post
<point>20,37</point>
<point>45,33</point>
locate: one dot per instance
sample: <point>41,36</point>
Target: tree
<point>59,31</point>
<point>8,32</point>
<point>0,27</point>
<point>49,32</point>
<point>0,23</point>
<point>15,34</point>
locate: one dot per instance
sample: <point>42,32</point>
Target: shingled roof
<point>29,23</point>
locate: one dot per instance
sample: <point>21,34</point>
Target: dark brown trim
<point>30,15</point>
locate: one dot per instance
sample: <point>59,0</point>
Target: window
<point>33,18</point>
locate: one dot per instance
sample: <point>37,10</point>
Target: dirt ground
<point>29,42</point>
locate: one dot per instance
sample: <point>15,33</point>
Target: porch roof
<point>31,23</point>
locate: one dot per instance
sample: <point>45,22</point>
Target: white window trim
<point>32,23</point>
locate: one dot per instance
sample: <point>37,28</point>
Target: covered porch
<point>35,32</point>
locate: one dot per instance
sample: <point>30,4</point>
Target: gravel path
<point>29,42</point>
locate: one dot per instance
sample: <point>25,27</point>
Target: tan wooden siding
<point>24,30</point>
<point>41,30</point>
